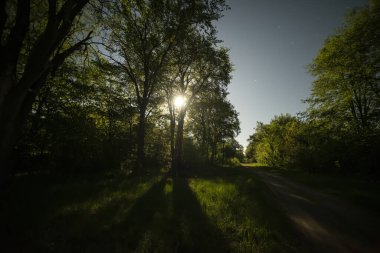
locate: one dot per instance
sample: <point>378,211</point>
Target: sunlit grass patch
<point>238,208</point>
<point>254,165</point>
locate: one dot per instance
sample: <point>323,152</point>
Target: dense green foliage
<point>275,144</point>
<point>340,131</point>
<point>110,105</point>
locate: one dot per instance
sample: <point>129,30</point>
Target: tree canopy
<point>340,130</point>
<point>90,84</point>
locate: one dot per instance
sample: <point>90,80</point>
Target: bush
<point>233,162</point>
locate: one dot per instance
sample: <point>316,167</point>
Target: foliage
<point>105,107</point>
<point>345,94</point>
<point>77,123</point>
<point>275,143</point>
<point>346,89</point>
<point>36,39</point>
<point>214,124</point>
<point>162,46</point>
<point>340,131</point>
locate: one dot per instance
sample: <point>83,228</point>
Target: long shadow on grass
<point>124,230</point>
<point>104,216</point>
<point>195,231</point>
<point>32,200</point>
<point>165,218</point>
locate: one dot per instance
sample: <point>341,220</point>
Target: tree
<point>214,123</point>
<point>346,89</point>
<point>31,48</point>
<point>340,131</point>
<point>345,94</point>
<point>80,120</point>
<point>277,143</point>
<point>202,69</point>
<point>140,36</point>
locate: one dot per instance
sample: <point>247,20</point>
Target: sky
<point>271,44</point>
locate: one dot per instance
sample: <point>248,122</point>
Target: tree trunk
<point>16,97</point>
<point>213,153</point>
<point>223,153</point>
<point>172,143</point>
<point>6,145</point>
<point>13,115</point>
<point>179,142</point>
<point>140,159</point>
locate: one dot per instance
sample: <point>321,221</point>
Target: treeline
<point>340,130</point>
<point>91,85</point>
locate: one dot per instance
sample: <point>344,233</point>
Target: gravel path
<point>325,223</point>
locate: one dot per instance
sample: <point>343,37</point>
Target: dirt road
<point>325,224</point>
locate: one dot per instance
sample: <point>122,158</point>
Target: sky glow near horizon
<point>271,43</point>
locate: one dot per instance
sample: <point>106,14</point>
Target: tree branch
<point>3,19</point>
<point>58,59</point>
<point>16,37</point>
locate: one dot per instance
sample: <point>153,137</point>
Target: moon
<point>179,101</point>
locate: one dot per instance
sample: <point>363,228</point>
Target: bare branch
<point>59,58</point>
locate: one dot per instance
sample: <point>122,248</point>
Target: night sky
<point>271,43</point>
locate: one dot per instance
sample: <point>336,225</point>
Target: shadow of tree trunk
<point>165,218</point>
<point>126,229</point>
<point>195,232</point>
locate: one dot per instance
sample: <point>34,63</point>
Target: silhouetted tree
<point>139,37</point>
<point>31,48</point>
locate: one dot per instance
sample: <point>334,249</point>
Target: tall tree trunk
<point>179,142</point>
<point>13,115</point>
<point>204,145</point>
<point>140,159</point>
<point>172,143</point>
<point>213,153</point>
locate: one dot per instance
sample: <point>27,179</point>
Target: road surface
<point>325,224</point>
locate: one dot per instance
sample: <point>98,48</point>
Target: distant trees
<point>340,130</point>
<point>214,122</point>
<point>277,143</point>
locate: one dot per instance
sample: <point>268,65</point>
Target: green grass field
<point>210,210</point>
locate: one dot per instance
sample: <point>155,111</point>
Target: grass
<point>209,210</point>
<point>240,206</point>
<point>355,190</point>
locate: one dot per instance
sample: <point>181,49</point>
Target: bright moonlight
<point>179,101</point>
